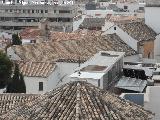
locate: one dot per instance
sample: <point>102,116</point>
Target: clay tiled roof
<point>9,101</point>
<point>92,22</point>
<point>36,69</point>
<point>78,101</point>
<point>71,49</point>
<point>77,35</point>
<point>30,33</point>
<point>138,30</point>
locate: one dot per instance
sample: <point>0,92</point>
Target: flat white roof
<point>108,59</point>
<point>102,60</point>
<point>87,75</point>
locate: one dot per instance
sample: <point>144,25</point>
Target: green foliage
<point>5,69</point>
<point>17,85</point>
<point>16,40</point>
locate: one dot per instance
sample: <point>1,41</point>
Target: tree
<point>16,40</point>
<point>5,69</point>
<point>17,85</point>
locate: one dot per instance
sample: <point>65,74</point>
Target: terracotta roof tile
<point>138,30</point>
<point>10,101</point>
<point>36,69</point>
<point>92,22</point>
<point>30,33</point>
<point>63,47</point>
<point>78,101</point>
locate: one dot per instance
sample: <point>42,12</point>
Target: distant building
<point>137,35</point>
<point>90,5</point>
<point>60,17</point>
<point>93,23</point>
<point>152,17</point>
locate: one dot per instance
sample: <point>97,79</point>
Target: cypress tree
<point>16,40</point>
<point>5,69</point>
<point>17,85</point>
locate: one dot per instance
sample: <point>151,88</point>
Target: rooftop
<point>10,101</point>
<point>78,100</point>
<point>132,84</point>
<point>64,47</point>
<point>148,70</point>
<point>30,33</point>
<point>36,69</point>
<point>98,65</point>
<point>92,22</point>
<point>138,30</point>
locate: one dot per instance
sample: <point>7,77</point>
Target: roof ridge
<point>78,102</point>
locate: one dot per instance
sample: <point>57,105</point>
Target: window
<point>114,28</point>
<point>141,8</point>
<point>37,11</point>
<point>125,7</point>
<point>54,11</point>
<point>32,41</point>
<point>99,83</point>
<point>64,11</point>
<point>32,11</point>
<point>41,11</point>
<point>46,11</point>
<point>40,86</point>
<point>156,73</point>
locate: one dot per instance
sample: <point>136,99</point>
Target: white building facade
<point>102,70</point>
<point>152,17</point>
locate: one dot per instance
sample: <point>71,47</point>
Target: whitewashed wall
<point>107,26</point>
<point>32,85</point>
<point>77,23</point>
<point>53,79</point>
<point>152,18</point>
<point>66,68</point>
<point>133,58</point>
<point>157,48</point>
<point>93,82</point>
<point>124,36</point>
<point>11,53</point>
